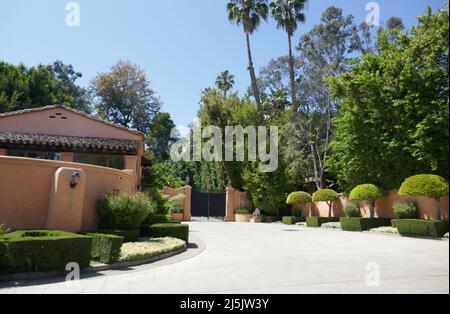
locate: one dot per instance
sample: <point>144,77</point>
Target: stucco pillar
<point>187,191</point>
<point>68,157</point>
<point>3,152</point>
<point>66,203</point>
<point>230,204</point>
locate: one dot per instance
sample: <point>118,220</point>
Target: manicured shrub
<point>369,193</point>
<point>179,231</point>
<point>299,198</point>
<point>127,235</point>
<point>31,251</point>
<point>148,248</point>
<point>421,228</point>
<point>316,222</point>
<point>105,247</point>
<point>292,220</point>
<point>352,210</point>
<point>145,228</point>
<point>173,203</point>
<point>405,210</point>
<point>158,219</point>
<point>268,219</point>
<point>363,224</point>
<point>124,212</point>
<point>244,212</point>
<point>328,196</point>
<point>427,185</point>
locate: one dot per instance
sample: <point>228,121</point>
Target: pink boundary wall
<point>36,194</point>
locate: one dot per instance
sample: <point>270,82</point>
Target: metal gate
<point>209,206</point>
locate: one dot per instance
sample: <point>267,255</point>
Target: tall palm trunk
<point>252,73</point>
<point>292,75</point>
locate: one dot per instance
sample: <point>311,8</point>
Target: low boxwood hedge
<point>421,228</point>
<point>268,219</point>
<point>105,247</point>
<point>145,229</point>
<point>179,231</point>
<point>363,224</point>
<point>158,219</point>
<point>316,222</point>
<point>127,235</point>
<point>244,212</point>
<point>32,251</point>
<point>292,220</point>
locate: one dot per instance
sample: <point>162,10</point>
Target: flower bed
<point>148,248</point>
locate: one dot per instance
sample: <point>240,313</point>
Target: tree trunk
<point>438,208</point>
<point>330,204</point>
<point>251,69</point>
<point>292,74</point>
<point>372,210</point>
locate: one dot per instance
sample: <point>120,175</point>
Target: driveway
<point>274,258</point>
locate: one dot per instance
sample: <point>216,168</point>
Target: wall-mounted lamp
<point>75,179</point>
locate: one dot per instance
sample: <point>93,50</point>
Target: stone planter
<point>178,217</point>
<point>243,218</point>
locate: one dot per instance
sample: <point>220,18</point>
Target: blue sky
<point>181,44</point>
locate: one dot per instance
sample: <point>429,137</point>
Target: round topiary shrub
<point>427,185</point>
<point>299,198</point>
<point>328,196</point>
<point>125,211</point>
<point>369,193</point>
<point>352,210</point>
<point>405,210</point>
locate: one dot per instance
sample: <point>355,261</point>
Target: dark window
<point>110,161</point>
<point>35,155</point>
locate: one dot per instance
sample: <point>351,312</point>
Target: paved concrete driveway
<point>247,258</point>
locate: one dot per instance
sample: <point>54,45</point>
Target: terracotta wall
<point>235,200</point>
<point>384,207</point>
<point>30,193</point>
<point>186,204</point>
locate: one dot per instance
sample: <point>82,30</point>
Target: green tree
<point>225,82</point>
<point>394,117</point>
<point>124,96</point>
<point>159,139</point>
<point>288,14</point>
<point>249,14</point>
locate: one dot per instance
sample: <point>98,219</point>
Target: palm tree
<point>249,13</point>
<point>288,13</point>
<point>225,82</point>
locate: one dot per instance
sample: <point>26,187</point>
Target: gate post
<point>187,191</point>
<point>230,205</point>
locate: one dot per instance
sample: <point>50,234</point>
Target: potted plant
<point>243,215</point>
<point>175,208</point>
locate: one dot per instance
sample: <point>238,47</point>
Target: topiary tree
<point>426,185</point>
<point>368,193</point>
<point>328,196</point>
<point>299,198</point>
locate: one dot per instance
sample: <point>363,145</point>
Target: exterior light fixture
<point>75,179</point>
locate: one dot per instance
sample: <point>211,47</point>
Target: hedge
<point>244,212</point>
<point>422,228</point>
<point>366,192</point>
<point>363,224</point>
<point>145,229</point>
<point>291,220</point>
<point>105,247</point>
<point>179,231</point>
<point>299,198</point>
<point>32,251</point>
<point>316,222</point>
<point>268,219</point>
<point>428,185</point>
<point>158,219</point>
<point>128,235</point>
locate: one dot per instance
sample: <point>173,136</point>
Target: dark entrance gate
<point>208,205</point>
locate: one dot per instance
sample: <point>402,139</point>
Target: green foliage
<point>325,196</point>
<point>352,210</point>
<point>291,220</point>
<point>244,212</point>
<point>316,222</point>
<point>159,139</point>
<point>105,247</point>
<point>363,224</point>
<point>124,212</point>
<point>366,192</point>
<point>179,231</point>
<point>268,219</point>
<point>3,229</point>
<point>394,113</point>
<point>299,198</point>
<point>405,210</point>
<point>173,203</point>
<point>32,251</point>
<point>225,82</point>
<point>127,235</point>
<point>432,186</point>
<point>422,228</point>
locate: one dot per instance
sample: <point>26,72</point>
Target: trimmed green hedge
<point>128,235</point>
<point>32,251</point>
<point>299,198</point>
<point>105,247</point>
<point>316,222</point>
<point>421,228</point>
<point>363,224</point>
<point>159,219</point>
<point>291,220</point>
<point>244,212</point>
<point>179,231</point>
<point>366,192</point>
<point>428,185</point>
<point>268,219</point>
